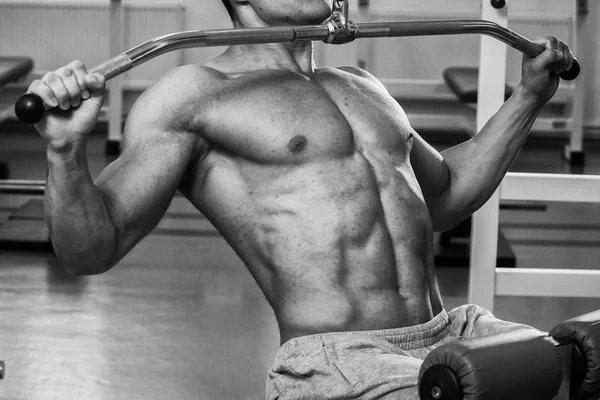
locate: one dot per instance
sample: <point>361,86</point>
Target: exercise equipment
<point>549,365</point>
<point>337,30</point>
<point>463,82</point>
<point>25,229</point>
<point>518,365</point>
<point>14,68</point>
<point>11,69</point>
<point>567,104</point>
<point>115,86</point>
<point>486,280</point>
<point>22,187</point>
<point>418,88</point>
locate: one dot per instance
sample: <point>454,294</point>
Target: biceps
<point>138,188</point>
<point>430,168</point>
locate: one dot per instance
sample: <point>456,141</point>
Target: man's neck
<point>296,57</point>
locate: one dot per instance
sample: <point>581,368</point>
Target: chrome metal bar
<point>450,27</point>
<point>222,37</point>
<point>337,30</point>
<point>209,38</point>
<point>16,187</point>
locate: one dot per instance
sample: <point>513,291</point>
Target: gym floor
<point>181,318</point>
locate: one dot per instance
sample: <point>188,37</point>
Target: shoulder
<point>165,116</point>
<point>356,71</point>
<point>361,73</point>
<point>175,98</point>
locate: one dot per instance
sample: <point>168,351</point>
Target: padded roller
<point>518,365</point>
<point>584,332</point>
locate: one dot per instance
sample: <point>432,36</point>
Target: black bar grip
<point>533,50</point>
<point>572,73</point>
<point>30,108</point>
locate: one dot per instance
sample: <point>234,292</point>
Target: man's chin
<point>316,17</point>
<point>308,15</point>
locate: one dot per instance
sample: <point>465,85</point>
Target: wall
<point>205,14</point>
<point>200,14</point>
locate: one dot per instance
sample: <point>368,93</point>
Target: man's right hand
<point>73,99</point>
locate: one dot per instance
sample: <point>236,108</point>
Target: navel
<point>297,144</point>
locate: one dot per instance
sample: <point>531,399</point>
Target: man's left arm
<point>459,180</point>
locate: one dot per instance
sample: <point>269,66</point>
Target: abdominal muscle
<point>340,273</point>
<point>320,248</point>
<point>351,289</point>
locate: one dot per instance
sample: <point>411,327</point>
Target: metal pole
<point>574,151</point>
<point>326,33</point>
<point>115,86</point>
<point>30,108</point>
<point>484,232</point>
<point>16,187</point>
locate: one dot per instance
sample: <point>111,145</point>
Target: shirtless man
<point>315,178</point>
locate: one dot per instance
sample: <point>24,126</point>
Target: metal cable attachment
<point>341,29</point>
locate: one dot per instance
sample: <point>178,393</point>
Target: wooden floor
<point>181,318</point>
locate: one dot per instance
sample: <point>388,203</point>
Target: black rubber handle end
<point>573,73</point>
<point>498,4</point>
<point>30,108</point>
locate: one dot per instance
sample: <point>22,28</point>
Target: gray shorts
<point>379,364</point>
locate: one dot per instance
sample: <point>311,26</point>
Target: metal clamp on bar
<point>341,29</point>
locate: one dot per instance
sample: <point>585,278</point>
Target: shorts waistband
<point>405,338</point>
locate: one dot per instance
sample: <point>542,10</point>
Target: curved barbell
<point>30,108</point>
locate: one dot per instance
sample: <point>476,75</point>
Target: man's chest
<point>285,117</point>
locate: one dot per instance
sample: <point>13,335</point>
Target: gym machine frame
<point>485,279</point>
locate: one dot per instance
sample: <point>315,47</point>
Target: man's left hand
<point>540,75</point>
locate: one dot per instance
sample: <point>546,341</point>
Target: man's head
<point>281,12</point>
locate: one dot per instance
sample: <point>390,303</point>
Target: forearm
<point>83,234</point>
<point>478,166</point>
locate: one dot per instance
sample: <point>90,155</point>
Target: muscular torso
<point>309,180</point>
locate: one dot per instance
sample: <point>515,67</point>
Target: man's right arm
<point>94,224</point>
